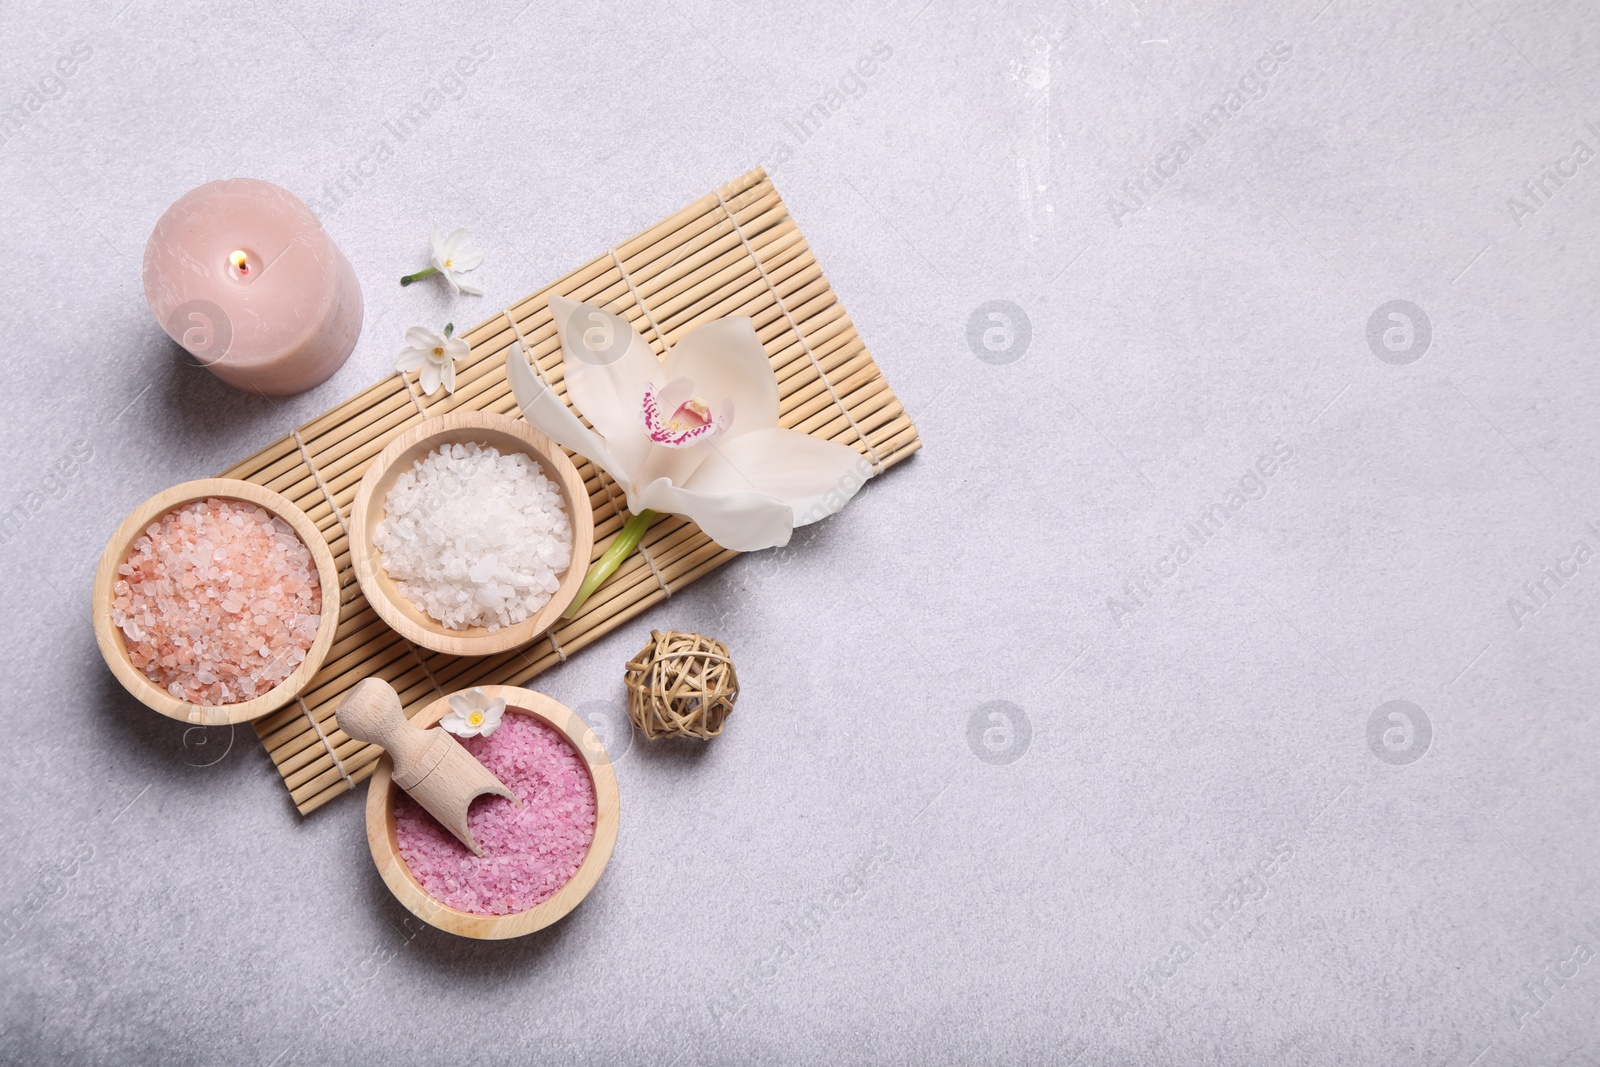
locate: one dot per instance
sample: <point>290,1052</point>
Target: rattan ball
<point>681,685</point>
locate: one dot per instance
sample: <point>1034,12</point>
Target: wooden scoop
<point>429,764</point>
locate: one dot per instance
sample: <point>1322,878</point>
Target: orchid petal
<point>726,361</point>
<point>744,522</point>
<point>676,465</point>
<point>605,382</point>
<point>813,477</point>
<point>430,378</point>
<point>464,286</point>
<point>437,245</point>
<point>449,377</point>
<point>422,337</point>
<point>462,704</point>
<point>549,414</point>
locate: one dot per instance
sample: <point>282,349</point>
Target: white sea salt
<point>475,538</point>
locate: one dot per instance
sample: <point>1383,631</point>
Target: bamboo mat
<point>733,252</point>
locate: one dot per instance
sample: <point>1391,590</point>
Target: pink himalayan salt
<point>218,601</point>
<point>529,852</point>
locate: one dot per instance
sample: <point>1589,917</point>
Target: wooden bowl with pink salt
<point>216,601</point>
<point>539,860</point>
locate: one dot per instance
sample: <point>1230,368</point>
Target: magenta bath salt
<point>218,601</point>
<point>529,852</point>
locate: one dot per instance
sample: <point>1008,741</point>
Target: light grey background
<point>866,867</point>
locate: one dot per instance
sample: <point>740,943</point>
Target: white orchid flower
<point>434,355</point>
<point>473,714</point>
<point>695,434</point>
<point>452,257</point>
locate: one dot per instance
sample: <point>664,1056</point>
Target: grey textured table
<point>1217,686</point>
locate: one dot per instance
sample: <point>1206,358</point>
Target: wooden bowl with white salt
<point>507,436</point>
<point>113,640</point>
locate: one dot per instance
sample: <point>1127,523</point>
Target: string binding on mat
<point>522,342</point>
<point>327,494</point>
<point>639,300</point>
<point>877,462</point>
<point>337,762</point>
<point>416,400</point>
<point>661,581</point>
<point>417,655</point>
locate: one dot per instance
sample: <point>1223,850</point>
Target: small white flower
<point>452,257</point>
<point>473,714</point>
<point>434,355</point>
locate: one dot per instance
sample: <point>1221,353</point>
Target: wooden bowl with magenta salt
<point>383,836</point>
<point>114,642</point>
<point>506,435</point>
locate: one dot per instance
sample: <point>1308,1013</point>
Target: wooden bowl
<point>115,650</point>
<point>382,793</point>
<point>506,434</point>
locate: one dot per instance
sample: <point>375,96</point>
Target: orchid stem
<point>425,272</point>
<point>632,533</point>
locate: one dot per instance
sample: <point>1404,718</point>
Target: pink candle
<point>244,277</point>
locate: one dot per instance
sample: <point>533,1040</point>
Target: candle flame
<point>240,261</point>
